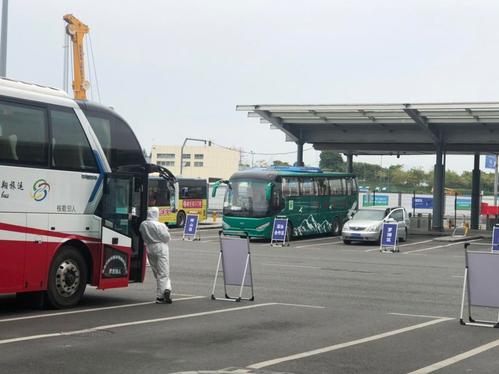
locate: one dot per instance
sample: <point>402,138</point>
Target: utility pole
<point>3,40</point>
<point>495,185</point>
<point>182,150</point>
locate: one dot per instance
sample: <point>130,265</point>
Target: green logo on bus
<point>40,190</point>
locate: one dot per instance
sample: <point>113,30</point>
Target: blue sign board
<point>490,161</point>
<point>495,239</point>
<point>191,225</point>
<point>389,237</point>
<point>279,230</point>
<point>375,200</point>
<point>422,202</point>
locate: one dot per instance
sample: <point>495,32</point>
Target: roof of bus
<point>183,179</point>
<point>35,92</point>
<point>272,172</point>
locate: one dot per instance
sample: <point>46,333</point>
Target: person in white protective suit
<point>156,237</point>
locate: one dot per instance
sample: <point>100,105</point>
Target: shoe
<point>168,299</point>
<point>160,300</point>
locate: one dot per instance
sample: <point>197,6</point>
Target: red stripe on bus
<point>30,230</point>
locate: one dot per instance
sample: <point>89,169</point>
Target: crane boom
<point>77,30</point>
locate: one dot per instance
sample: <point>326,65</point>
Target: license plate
<point>355,235</point>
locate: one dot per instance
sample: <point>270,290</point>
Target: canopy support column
<point>438,192</point>
<point>349,163</point>
<point>299,155</point>
<point>475,193</point>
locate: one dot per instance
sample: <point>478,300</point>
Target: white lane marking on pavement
<point>316,239</point>
<point>317,245</point>
<point>92,310</point>
<point>458,276</point>
<point>133,323</point>
<point>303,305</point>
<point>421,242</point>
<point>291,266</point>
<point>417,315</point>
<point>457,358</point>
<point>335,347</point>
<point>438,246</point>
<point>402,245</point>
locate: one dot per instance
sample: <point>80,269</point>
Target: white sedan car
<point>366,224</point>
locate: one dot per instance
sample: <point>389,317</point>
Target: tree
<point>332,161</point>
<point>280,163</point>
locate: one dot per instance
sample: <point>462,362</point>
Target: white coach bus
<point>73,190</point>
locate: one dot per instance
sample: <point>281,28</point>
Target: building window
<point>198,156</point>
<point>198,164</point>
<point>187,163</point>
<point>166,163</point>
<point>166,155</point>
<point>186,156</point>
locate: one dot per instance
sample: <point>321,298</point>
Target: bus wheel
<point>335,227</point>
<point>180,219</point>
<point>67,278</point>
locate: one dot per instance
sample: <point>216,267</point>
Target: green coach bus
<point>314,201</point>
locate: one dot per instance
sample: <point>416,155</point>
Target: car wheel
<point>67,278</point>
<point>404,238</point>
<point>347,242</point>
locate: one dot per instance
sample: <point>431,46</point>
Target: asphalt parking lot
<point>320,307</point>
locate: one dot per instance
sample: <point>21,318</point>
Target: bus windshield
<point>246,198</point>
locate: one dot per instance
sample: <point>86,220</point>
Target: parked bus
<point>315,202</point>
<point>71,196</point>
<point>189,196</point>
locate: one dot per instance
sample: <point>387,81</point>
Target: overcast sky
<point>177,69</point>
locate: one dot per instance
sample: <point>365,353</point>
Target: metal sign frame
<point>487,294</point>
<point>383,247</point>
<point>278,242</point>
<point>228,259</point>
<point>189,236</point>
<point>495,239</point>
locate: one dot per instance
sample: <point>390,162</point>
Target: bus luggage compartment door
<point>115,263</point>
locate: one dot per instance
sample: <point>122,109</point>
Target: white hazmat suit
<point>156,237</point>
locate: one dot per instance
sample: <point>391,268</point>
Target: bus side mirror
<point>215,188</point>
<point>268,191</point>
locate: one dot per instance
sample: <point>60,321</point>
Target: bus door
<point>116,231</point>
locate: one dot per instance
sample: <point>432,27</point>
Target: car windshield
<point>370,215</point>
<point>246,198</point>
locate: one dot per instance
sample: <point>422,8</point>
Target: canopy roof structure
<point>396,129</point>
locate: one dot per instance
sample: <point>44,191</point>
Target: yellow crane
<point>77,30</point>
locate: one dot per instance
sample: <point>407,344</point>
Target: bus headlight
<point>263,227</point>
<point>225,226</point>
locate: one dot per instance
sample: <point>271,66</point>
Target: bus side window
<point>290,187</point>
<point>322,187</point>
<point>335,186</point>
<point>70,147</point>
<point>355,189</point>
<point>349,189</point>
<point>23,135</point>
<point>308,187</point>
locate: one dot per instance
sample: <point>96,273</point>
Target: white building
<point>208,162</point>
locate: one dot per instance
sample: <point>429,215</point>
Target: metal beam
<point>423,125</point>
<point>276,122</point>
<point>475,193</point>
